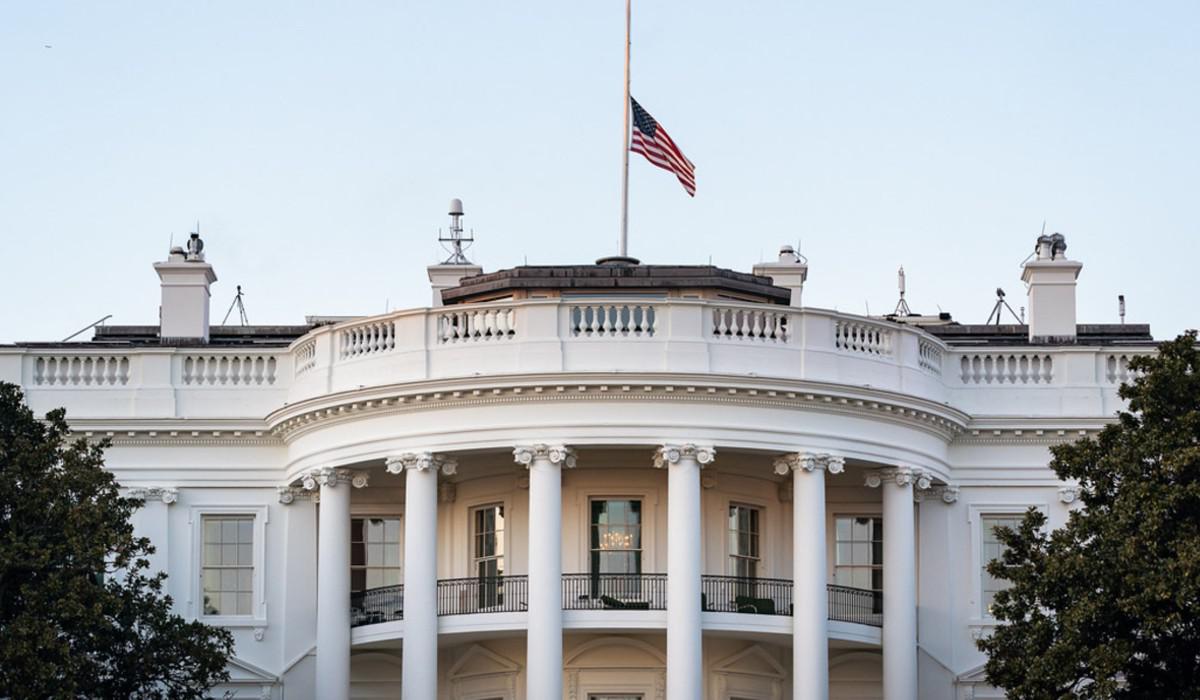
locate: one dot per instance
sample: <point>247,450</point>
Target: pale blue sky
<point>318,144</point>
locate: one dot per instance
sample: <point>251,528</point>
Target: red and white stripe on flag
<point>652,141</point>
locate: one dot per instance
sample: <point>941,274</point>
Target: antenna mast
<point>456,242</point>
<point>902,305</point>
<point>997,310</point>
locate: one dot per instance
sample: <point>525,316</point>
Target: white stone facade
<point>725,421</point>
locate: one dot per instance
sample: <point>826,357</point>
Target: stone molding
<point>422,461</point>
<point>918,478</point>
<point>555,454</point>
<point>166,494</point>
<point>808,461</point>
<point>290,494</point>
<point>331,477</point>
<point>1068,494</point>
<point>944,492</point>
<point>674,453</point>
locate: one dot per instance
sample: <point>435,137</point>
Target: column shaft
<point>333,593</point>
<point>899,594</point>
<point>810,632</point>
<point>419,666</point>
<point>544,637</point>
<point>685,662</point>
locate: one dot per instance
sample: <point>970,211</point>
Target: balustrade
<point>479,324</point>
<point>929,356</point>
<point>1116,369</point>
<point>367,339</point>
<point>81,370</point>
<point>863,337</point>
<point>306,356</point>
<point>729,594</point>
<point>613,320</point>
<point>233,370</point>
<point>750,324</point>
<point>1009,368</point>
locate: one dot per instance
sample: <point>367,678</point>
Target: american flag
<point>651,140</point>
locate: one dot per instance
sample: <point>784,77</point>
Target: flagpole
<point>624,247</point>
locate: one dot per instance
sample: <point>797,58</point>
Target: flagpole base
<point>619,260</point>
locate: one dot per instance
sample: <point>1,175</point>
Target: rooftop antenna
<point>902,305</point>
<point>456,242</point>
<point>237,301</point>
<point>999,308</point>
<point>1121,307</point>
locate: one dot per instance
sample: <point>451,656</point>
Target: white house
<point>608,481</point>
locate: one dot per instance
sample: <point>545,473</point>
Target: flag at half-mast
<point>652,141</point>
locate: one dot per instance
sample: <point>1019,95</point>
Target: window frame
<point>761,559</point>
<point>642,550</point>
<point>833,540</point>
<point>390,513</point>
<point>258,616</point>
<point>976,512</point>
<point>502,538</point>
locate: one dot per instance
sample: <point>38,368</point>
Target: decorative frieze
<point>290,494</point>
<point>944,492</point>
<point>331,477</point>
<point>672,454</point>
<point>166,494</point>
<point>808,461</point>
<point>555,454</point>
<point>422,461</point>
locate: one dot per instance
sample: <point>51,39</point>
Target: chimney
<point>1050,279</point>
<point>789,272</point>
<point>453,269</point>
<point>183,315</point>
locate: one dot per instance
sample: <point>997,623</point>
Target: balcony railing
<point>614,591</point>
<point>483,594</point>
<point>731,594</point>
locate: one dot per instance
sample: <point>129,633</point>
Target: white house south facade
<point>598,482</point>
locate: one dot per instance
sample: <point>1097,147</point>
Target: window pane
<point>356,529</point>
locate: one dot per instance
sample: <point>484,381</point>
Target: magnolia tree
<point>80,615</point>
<point>1109,605</point>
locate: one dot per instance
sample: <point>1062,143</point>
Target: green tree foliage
<point>1108,606</point>
<point>80,615</point>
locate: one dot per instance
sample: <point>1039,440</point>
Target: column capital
<point>808,461</point>
<point>900,476</point>
<point>422,461</point>
<point>673,453</point>
<point>290,494</point>
<point>1068,494</point>
<point>332,476</point>
<point>555,454</point>
<point>946,493</point>
<point>166,494</point>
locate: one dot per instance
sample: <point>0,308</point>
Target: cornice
<point>937,419</point>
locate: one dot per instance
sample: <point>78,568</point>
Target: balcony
<point>718,594</point>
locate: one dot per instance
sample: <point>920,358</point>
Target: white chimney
<point>451,272</point>
<point>1050,279</point>
<point>185,278</point>
<point>789,272</point>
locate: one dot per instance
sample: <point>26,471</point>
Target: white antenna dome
<point>456,207</point>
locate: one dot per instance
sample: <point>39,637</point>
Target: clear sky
<point>318,145</point>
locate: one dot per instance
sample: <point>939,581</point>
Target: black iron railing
<point>483,594</point>
<point>855,605</point>
<point>756,596</point>
<point>377,605</point>
<point>614,591</point>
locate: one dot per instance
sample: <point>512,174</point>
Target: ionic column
<point>419,666</point>
<point>899,580</point>
<point>544,676</point>
<point>810,616</point>
<point>685,661</point>
<point>333,578</point>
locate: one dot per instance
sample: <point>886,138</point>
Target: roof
<point>615,278</point>
<point>1014,334</point>
<point>219,336</point>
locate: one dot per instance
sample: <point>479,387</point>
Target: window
<point>743,540</point>
<point>616,542</point>
<point>858,559</point>
<point>227,565</point>
<point>487,553</point>
<point>374,553</point>
<point>993,549</point>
